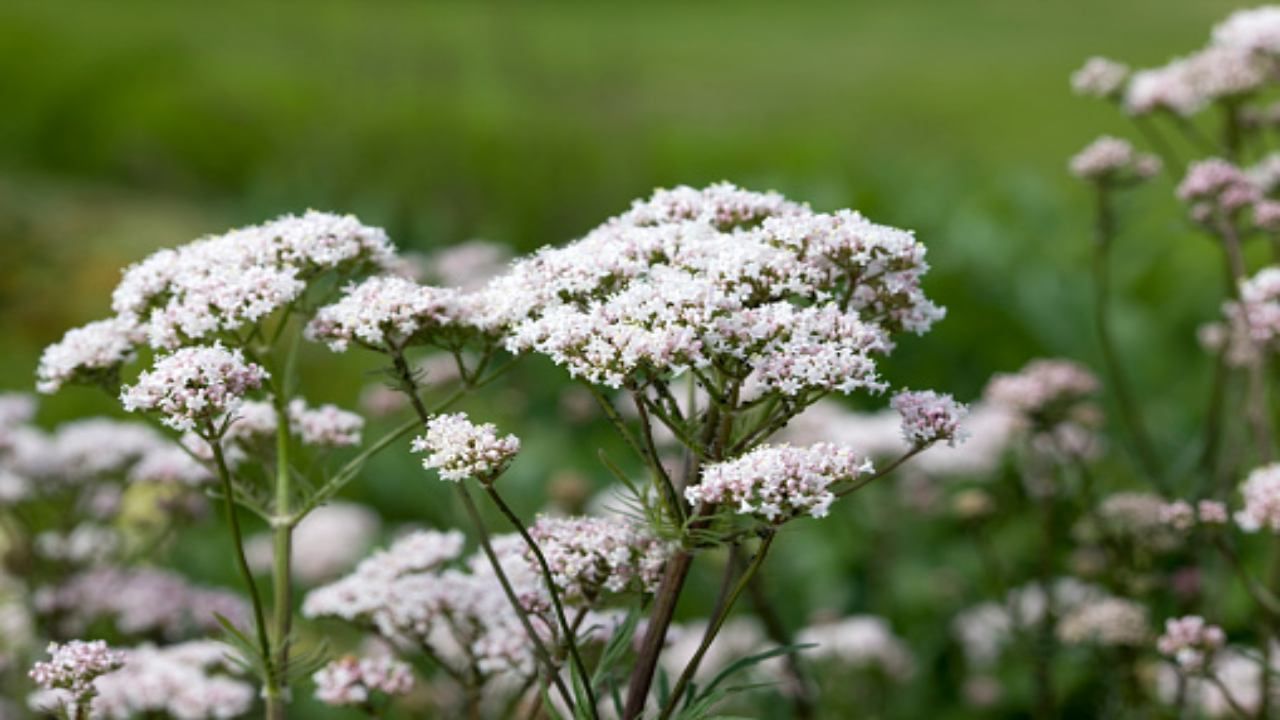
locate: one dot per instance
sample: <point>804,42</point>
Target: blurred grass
<point>130,126</point>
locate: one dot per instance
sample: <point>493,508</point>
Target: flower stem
<point>714,628</point>
<point>282,561</point>
<point>246,575</point>
<point>547,577</point>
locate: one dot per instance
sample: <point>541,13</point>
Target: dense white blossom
<point>929,417</point>
<point>222,283</point>
<point>353,681</point>
<point>73,668</point>
<point>193,386</point>
<point>589,555</point>
<point>778,482</point>
<point>459,449</point>
<point>387,313</point>
<point>89,354</point>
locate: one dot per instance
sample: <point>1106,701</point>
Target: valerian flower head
<point>324,426</point>
<point>1110,160</point>
<point>929,417</point>
<point>689,278</point>
<point>354,681</point>
<point>1100,77</point>
<point>1044,390</point>
<point>1261,491</point>
<point>225,282</point>
<point>194,386</point>
<point>74,666</point>
<point>1186,85</point>
<point>388,312</point>
<point>90,355</point>
<point>459,449</point>
<point>775,483</point>
<point>589,555</point>
<point>1189,641</point>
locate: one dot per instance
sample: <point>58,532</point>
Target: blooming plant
<point>720,337</point>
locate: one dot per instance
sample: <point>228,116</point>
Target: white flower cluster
<point>224,282</point>
<point>387,313</point>
<point>1188,84</point>
<point>1181,515</point>
<point>193,386</point>
<point>143,602</point>
<point>87,355</point>
<point>353,681</point>
<point>1110,159</point>
<point>1108,621</point>
<point>859,642</point>
<point>459,449</point>
<point>1254,30</point>
<point>1189,641</point>
<point>73,667</point>
<point>1100,77</point>
<point>775,483</point>
<point>1261,491</point>
<point>328,541</point>
<point>929,417</point>
<point>408,595</point>
<point>589,556</point>
<point>1139,518</point>
<point>691,278</point>
<point>1256,316</point>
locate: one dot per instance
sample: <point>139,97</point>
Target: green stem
<point>1104,233</point>
<point>714,628</point>
<point>282,560</point>
<point>246,574</point>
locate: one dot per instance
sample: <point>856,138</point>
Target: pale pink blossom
<point>1100,77</point>
<point>778,482</point>
<point>929,417</point>
<point>194,386</point>
<point>1261,491</point>
<point>354,681</point>
<point>91,354</point>
<point>588,556</point>
<point>1189,640</point>
<point>459,449</point>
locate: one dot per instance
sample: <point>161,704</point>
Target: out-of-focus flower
<point>859,642</point>
<point>1100,77</point>
<point>1252,30</point>
<point>468,265</point>
<point>1108,621</point>
<point>324,426</point>
<point>353,681</point>
<point>1112,160</point>
<point>459,449</point>
<point>1215,185</point>
<point>328,541</point>
<point>189,680</point>
<point>1189,641</point>
<point>73,667</point>
<point>1261,491</point>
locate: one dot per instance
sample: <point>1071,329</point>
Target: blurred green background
<point>125,127</point>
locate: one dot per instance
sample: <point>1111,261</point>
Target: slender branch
<point>1232,702</point>
<point>550,580</point>
<point>246,574</point>
<point>802,692</point>
<point>866,480</point>
<point>714,628</point>
<point>675,503</point>
<point>539,649</point>
<point>1104,233</point>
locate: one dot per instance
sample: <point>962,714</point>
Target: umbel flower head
<point>386,313</point>
<point>193,386</point>
<point>590,555</point>
<point>929,417</point>
<point>1189,641</point>
<point>87,355</point>
<point>74,666</point>
<point>459,449</point>
<point>775,483</point>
